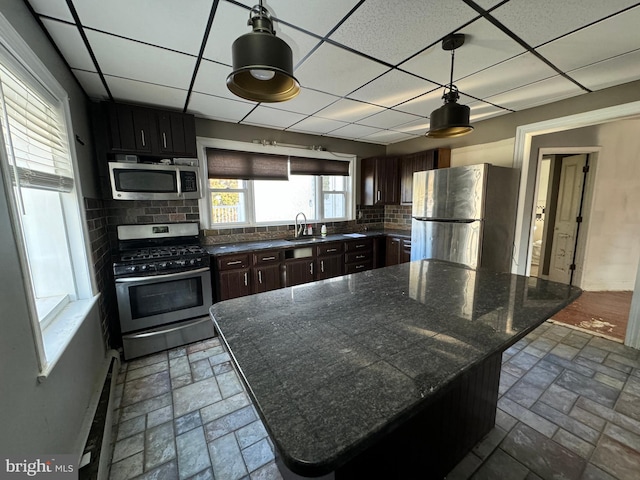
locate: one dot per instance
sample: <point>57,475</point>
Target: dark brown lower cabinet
<point>329,266</point>
<point>267,277</point>
<point>299,271</point>
<point>234,283</point>
<point>398,250</point>
<point>405,250</point>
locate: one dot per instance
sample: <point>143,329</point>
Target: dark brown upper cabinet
<point>379,181</point>
<point>132,129</point>
<point>418,162</point>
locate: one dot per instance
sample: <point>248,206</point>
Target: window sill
<point>57,335</point>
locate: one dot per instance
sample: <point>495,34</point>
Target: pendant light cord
<point>453,51</point>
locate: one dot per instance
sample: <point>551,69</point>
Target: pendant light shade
<point>451,119</point>
<point>262,63</point>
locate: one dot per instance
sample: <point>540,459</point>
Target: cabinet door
<point>233,283</point>
<point>176,134</point>
<point>393,251</point>
<point>329,266</point>
<point>267,277</point>
<point>388,181</point>
<point>299,271</point>
<point>130,129</point>
<point>367,181</point>
<point>416,162</point>
<point>405,250</point>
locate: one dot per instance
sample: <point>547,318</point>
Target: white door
<point>566,224</point>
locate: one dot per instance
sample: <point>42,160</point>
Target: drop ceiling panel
<point>354,130</point>
<point>482,110</point>
<point>308,102</point>
<point>53,8</point>
<point>218,108</point>
<point>70,44</point>
<point>513,73</point>
<point>317,125</point>
<point>485,45</point>
<point>424,104</point>
<point>392,88</point>
<point>349,110</point>
<point>416,127</point>
<point>615,71</point>
<point>388,119</point>
<point>146,93</point>
<point>588,46</point>
<point>91,84</point>
<point>539,21</point>
<point>266,116</point>
<point>145,63</point>
<point>412,25</point>
<point>167,24</point>
<point>311,15</point>
<point>228,24</point>
<point>212,79</point>
<point>337,71</point>
<point>545,91</point>
<point>387,136</point>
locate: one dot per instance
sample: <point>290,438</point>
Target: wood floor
<point>602,313</point>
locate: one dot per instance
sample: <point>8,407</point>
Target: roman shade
<point>246,165</point>
<point>34,135</point>
<point>318,166</point>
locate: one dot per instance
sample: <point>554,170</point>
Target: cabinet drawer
<point>330,249</point>
<point>262,258</point>
<point>229,262</point>
<point>358,245</point>
<point>358,257</point>
<point>358,267</point>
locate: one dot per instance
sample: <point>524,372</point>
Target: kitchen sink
<point>305,239</point>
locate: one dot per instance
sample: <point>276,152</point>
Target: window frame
<point>205,201</point>
<point>51,335</point>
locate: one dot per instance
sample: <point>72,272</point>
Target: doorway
<point>557,216</point>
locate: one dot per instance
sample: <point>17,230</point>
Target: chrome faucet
<point>298,232</point>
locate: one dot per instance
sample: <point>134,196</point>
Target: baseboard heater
<point>97,451</point>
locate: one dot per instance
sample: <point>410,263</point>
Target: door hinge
<point>572,266</point>
<point>585,169</point>
<point>579,219</point>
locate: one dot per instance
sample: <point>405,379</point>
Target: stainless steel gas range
<point>163,287</point>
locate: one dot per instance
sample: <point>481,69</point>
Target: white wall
<point>496,153</point>
<point>613,245</point>
<point>43,418</point>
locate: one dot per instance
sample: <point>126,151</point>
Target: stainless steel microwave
<point>143,181</point>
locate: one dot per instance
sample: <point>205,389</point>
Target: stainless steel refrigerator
<point>465,215</point>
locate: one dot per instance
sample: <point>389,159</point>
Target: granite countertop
<point>241,247</point>
<point>332,365</point>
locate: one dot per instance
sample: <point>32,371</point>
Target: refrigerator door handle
<point>445,220</point>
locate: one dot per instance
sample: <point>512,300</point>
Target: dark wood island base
<point>433,441</point>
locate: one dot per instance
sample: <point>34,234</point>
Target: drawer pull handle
<point>361,245</point>
<point>359,266</point>
<point>268,258</point>
<point>235,262</point>
<point>360,256</point>
<point>329,250</point>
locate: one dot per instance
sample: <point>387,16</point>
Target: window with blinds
<point>34,137</point>
<point>37,166</point>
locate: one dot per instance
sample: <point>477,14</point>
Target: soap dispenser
<point>323,231</point>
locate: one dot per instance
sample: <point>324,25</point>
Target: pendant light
<point>262,62</point>
<point>451,119</point>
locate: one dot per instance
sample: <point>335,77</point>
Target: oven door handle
<point>161,277</point>
<point>162,331</point>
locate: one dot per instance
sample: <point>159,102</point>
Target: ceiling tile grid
<point>370,70</point>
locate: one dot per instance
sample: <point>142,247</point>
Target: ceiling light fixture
<point>262,62</point>
<point>451,119</point>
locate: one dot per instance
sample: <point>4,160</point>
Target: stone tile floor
<point>569,408</point>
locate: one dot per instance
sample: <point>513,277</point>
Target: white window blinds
<point>34,136</point>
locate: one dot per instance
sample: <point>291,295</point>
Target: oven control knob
<point>162,265</point>
<point>192,262</point>
<point>144,267</point>
<point>134,268</point>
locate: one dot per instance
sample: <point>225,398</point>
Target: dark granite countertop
<point>252,246</point>
<point>333,365</point>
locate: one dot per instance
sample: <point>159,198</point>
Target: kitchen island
<point>390,373</point>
